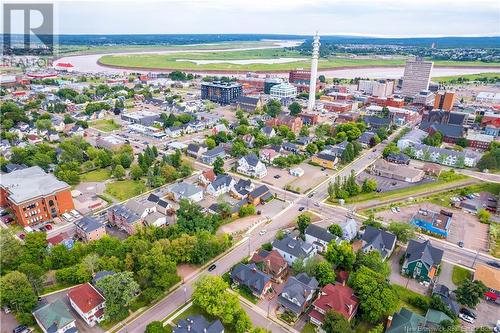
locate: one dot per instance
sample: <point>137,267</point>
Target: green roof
<point>436,317</point>
<point>53,316</point>
<point>406,321</point>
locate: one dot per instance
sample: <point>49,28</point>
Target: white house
<point>293,247</point>
<point>222,184</point>
<point>186,191</point>
<point>250,165</point>
<point>55,318</point>
<point>297,172</point>
<point>88,303</point>
<point>318,237</point>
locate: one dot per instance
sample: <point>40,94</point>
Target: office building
<point>379,88</point>
<point>283,90</point>
<point>269,83</point>
<point>444,100</point>
<point>221,92</point>
<point>299,76</point>
<point>417,76</point>
<point>34,197</point>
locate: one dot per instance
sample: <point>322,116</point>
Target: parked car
<point>19,329</point>
<point>277,176</point>
<point>22,236</point>
<point>48,226</point>
<point>6,309</point>
<point>398,209</point>
<point>492,263</point>
<point>468,313</point>
<point>262,232</point>
<point>461,244</point>
<point>212,267</point>
<point>393,210</point>
<point>301,209</point>
<point>466,318</point>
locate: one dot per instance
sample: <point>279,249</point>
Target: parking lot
<point>464,227</point>
<point>387,184</point>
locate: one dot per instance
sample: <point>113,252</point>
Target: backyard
<point>125,189</point>
<point>105,125</point>
<point>98,175</point>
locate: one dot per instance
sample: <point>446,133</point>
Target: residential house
<point>241,189</point>
<point>292,247</point>
<point>405,321</point>
<point>375,123</point>
<point>248,139</point>
<point>291,147</point>
<point>414,137</point>
<point>195,151</point>
<point>211,155</point>
<point>174,131</point>
<point>444,293</point>
<point>422,260</point>
<point>250,165</point>
<point>271,263</point>
<point>222,184</point>
<point>267,155</point>
<point>444,156</point>
<point>366,139</point>
<point>206,177</point>
<point>88,303</point>
<point>219,128</point>
<point>292,122</point>
<point>250,276</point>
<point>399,172</point>
<point>124,218</point>
<point>434,318</point>
<point>318,237</point>
<point>55,318</point>
<point>325,159</point>
<point>398,158</point>
<point>268,131</point>
<point>349,229</point>
<point>378,240</point>
<point>260,195</point>
<point>334,297</point>
<point>298,293</point>
<point>155,218</point>
<point>198,324</point>
<point>163,207</point>
<point>90,229</point>
<point>183,190</point>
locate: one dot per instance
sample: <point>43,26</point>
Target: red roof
<point>337,298</point>
<point>209,175</point>
<point>56,239</point>
<point>64,64</point>
<point>85,297</point>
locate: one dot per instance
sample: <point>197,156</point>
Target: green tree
<point>403,231</point>
<point>303,221</point>
<point>484,216</point>
<point>155,327</point>
<point>136,172</point>
<point>377,329</point>
<point>119,172</point>
<point>469,293</point>
<point>246,210</point>
<point>369,185</point>
<point>340,255</point>
<point>295,108</point>
<point>210,143</point>
<point>90,262</point>
<point>312,148</point>
<point>219,166</point>
<point>272,108</point>
<point>16,292</point>
<point>336,230</point>
<point>377,298</point>
<point>374,261</point>
<point>119,290</point>
<point>335,322</point>
<point>324,273</point>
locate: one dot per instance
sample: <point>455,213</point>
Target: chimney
<point>349,308</point>
<point>389,322</point>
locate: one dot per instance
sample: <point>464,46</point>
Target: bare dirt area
<point>464,227</point>
<point>313,176</point>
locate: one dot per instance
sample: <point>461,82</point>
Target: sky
<point>334,17</point>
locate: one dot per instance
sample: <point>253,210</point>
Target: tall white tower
<point>314,72</point>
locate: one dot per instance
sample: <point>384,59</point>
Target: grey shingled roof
<point>198,324</point>
<point>185,189</point>
<point>319,233</point>
<point>88,224</point>
<point>425,252</point>
<point>252,159</point>
<point>214,152</point>
<point>381,240</point>
<point>259,191</point>
<point>251,277</point>
<point>296,291</point>
<point>27,184</point>
<point>294,246</point>
<point>221,180</point>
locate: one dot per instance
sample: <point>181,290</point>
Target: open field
<point>459,274</point>
<point>105,125</point>
<point>467,77</point>
<point>98,175</point>
<point>125,189</point>
<point>180,61</point>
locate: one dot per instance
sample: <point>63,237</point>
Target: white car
<point>393,210</point>
<point>466,318</point>
<point>262,232</point>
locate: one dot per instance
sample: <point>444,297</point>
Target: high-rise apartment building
<point>444,100</point>
<point>417,76</point>
<point>221,92</point>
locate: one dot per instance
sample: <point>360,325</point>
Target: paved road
<point>488,177</point>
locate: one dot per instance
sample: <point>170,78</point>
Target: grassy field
<point>170,61</point>
<point>105,125</point>
<point>459,274</point>
<point>98,175</point>
<point>125,189</point>
<point>495,240</point>
<point>468,77</point>
<point>404,295</point>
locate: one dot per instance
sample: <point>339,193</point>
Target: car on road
<point>316,204</point>
<point>495,264</point>
<point>323,169</point>
<point>7,219</point>
<point>277,176</point>
<point>48,226</point>
<point>42,229</point>
<point>310,195</point>
<point>398,209</point>
<point>212,267</point>
<point>301,209</point>
<point>6,309</point>
<point>461,244</point>
<point>262,232</point>
<point>374,150</point>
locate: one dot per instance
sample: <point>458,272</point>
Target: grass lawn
<point>417,189</point>
<point>459,274</point>
<point>495,240</point>
<point>105,125</point>
<point>308,328</point>
<point>363,327</point>
<point>246,293</point>
<point>98,175</point>
<point>125,189</point>
<point>467,77</point>
<point>404,295</point>
<point>185,61</point>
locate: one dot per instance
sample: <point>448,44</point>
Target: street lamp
<point>185,294</point>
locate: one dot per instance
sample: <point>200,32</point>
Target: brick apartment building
<point>34,196</point>
<point>293,123</point>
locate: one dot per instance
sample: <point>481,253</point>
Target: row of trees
<point>348,187</point>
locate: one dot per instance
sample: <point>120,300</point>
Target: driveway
<point>487,315</point>
<point>445,277</point>
<point>8,321</point>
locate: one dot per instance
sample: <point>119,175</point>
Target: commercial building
<point>110,142</point>
<point>271,82</point>
<point>434,222</point>
<point>145,118</point>
<point>416,77</point>
<point>379,88</point>
<point>299,75</point>
<point>424,97</point>
<point>221,92</point>
<point>293,123</point>
<point>444,100</point>
<point>479,140</point>
<point>34,196</point>
<point>283,90</point>
<point>400,172</point>
<point>488,97</point>
<point>388,101</point>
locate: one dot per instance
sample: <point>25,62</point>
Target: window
<point>51,203</point>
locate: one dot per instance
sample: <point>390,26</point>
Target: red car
<point>7,219</point>
<point>22,236</point>
<point>48,227</point>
